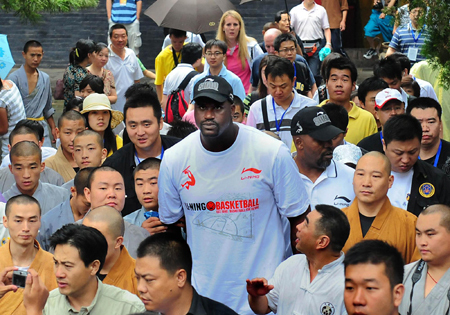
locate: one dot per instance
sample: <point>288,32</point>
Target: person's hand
<point>55,135</point>
<point>153,225</point>
<point>382,16</point>
<point>342,26</point>
<point>258,287</point>
<point>35,293</point>
<point>5,281</point>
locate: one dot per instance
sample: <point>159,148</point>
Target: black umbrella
<point>196,16</point>
<point>245,1</point>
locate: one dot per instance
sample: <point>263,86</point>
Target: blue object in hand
<point>325,51</point>
<point>151,214</point>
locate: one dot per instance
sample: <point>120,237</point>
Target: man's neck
<point>438,269</point>
<point>110,262</point>
<point>222,142</point>
<point>346,104</point>
<point>182,305</point>
<point>29,70</point>
<point>370,209</point>
<point>22,256</point>
<point>85,298</point>
<point>319,260</point>
<point>215,70</point>
<point>312,173</point>
<point>152,151</point>
<point>118,52</point>
<point>285,104</point>
<point>77,215</point>
<point>309,6</point>
<point>28,192</point>
<point>430,150</point>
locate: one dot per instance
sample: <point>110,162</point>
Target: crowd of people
<point>255,177</point>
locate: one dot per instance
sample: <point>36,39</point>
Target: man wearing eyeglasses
<point>215,54</point>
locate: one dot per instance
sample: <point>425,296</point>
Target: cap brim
<point>388,100</point>
<point>326,133</point>
<point>214,96</point>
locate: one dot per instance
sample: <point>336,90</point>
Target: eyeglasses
<point>286,50</point>
<point>215,54</point>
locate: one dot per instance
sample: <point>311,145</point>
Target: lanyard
<point>139,161</point>
<point>295,70</point>
<point>436,159</point>
<point>412,34</point>
<point>278,126</point>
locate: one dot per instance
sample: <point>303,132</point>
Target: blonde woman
<point>242,50</point>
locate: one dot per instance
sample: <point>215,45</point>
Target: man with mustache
<point>325,179</point>
<point>230,182</point>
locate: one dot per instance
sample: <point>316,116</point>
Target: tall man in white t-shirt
<point>325,179</point>
<point>236,187</point>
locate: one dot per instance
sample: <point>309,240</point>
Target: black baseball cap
<point>215,88</point>
<point>315,122</point>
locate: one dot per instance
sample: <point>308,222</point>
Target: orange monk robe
<point>122,273</point>
<point>12,302</point>
<point>393,225</point>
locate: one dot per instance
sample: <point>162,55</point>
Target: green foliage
<point>30,10</point>
<point>437,48</point>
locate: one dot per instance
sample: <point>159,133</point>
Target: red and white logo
<point>191,181</point>
<point>251,170</point>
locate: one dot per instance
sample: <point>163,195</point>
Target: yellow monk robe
<point>12,302</point>
<point>122,273</point>
<point>393,225</point>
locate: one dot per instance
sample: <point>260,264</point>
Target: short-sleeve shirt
<point>124,11</point>
<point>164,63</point>
<point>309,25</point>
<point>294,293</point>
<point>403,40</point>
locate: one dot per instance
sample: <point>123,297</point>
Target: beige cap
<point>101,102</point>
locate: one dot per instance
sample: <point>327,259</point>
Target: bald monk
<point>371,214</point>
<point>23,219</point>
<point>118,269</point>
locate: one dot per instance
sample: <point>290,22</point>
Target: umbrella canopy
<point>6,58</point>
<point>196,16</point>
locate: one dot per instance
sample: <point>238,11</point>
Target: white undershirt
<point>399,192</point>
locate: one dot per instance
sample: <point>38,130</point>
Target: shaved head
<point>25,149</point>
<point>386,163</point>
<point>272,32</point>
<point>108,216</point>
<point>443,210</point>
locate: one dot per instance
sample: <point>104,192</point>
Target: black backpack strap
<point>265,115</point>
<point>186,80</point>
<point>175,58</point>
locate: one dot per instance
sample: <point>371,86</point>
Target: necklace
<point>431,277</point>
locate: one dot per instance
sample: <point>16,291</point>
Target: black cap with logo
<point>215,88</point>
<point>315,122</point>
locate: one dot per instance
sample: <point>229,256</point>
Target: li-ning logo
<point>321,119</point>
<point>251,169</point>
<point>209,84</point>
<point>191,182</point>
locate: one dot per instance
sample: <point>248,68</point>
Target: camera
<point>19,278</point>
<point>378,6</point>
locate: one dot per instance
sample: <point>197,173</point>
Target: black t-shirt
<point>366,223</point>
<point>302,83</point>
<point>101,277</point>
<point>444,158</point>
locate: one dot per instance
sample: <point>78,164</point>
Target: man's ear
<point>57,132</point>
<point>181,276</point>
<point>87,194</point>
<point>322,242</point>
<point>119,242</point>
<point>161,123</point>
<point>104,153</point>
<point>384,145</point>
<point>95,266</point>
<point>73,192</point>
<point>42,166</point>
<point>398,292</point>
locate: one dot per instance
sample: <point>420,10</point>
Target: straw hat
<point>101,102</point>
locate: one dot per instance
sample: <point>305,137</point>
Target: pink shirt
<point>189,117</point>
<point>234,65</point>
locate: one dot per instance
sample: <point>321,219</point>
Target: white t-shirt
<point>294,293</point>
<point>426,89</point>
<point>255,116</point>
<point>333,187</point>
<point>125,73</point>
<point>233,201</point>
<point>176,76</point>
<point>309,25</point>
<point>190,38</point>
<point>399,192</point>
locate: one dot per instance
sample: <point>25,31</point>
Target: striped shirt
<point>124,11</point>
<point>403,40</point>
<point>11,100</point>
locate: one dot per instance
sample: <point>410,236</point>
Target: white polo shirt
<point>125,73</point>
<point>426,89</point>
<point>294,293</point>
<point>309,25</point>
<point>333,187</point>
<point>255,116</point>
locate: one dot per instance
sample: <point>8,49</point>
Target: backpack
<point>176,104</point>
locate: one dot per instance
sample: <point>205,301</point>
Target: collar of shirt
<point>89,308</point>
<point>196,305</point>
<point>295,102</point>
<point>312,9</point>
<point>113,54</point>
<point>329,267</point>
<point>354,112</point>
<point>185,65</point>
